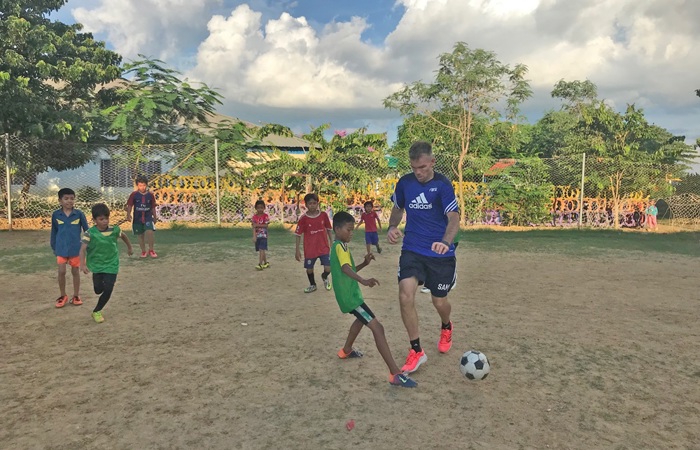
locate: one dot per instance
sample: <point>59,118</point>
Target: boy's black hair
<point>342,218</point>
<point>100,210</point>
<point>142,179</point>
<point>65,191</point>
<point>368,202</point>
<point>309,197</point>
<point>259,202</point>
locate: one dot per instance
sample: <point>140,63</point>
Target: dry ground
<point>593,351</point>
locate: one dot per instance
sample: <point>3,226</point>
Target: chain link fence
<point>208,184</point>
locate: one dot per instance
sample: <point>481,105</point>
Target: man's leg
<point>443,307</point>
<point>407,301</point>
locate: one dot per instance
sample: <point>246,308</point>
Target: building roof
<point>272,140</point>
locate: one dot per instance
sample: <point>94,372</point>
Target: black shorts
<point>260,244</point>
<point>363,313</point>
<point>437,274</point>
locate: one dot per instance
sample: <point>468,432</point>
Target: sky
<point>303,63</point>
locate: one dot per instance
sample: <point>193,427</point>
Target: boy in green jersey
<point>346,285</point>
<point>99,254</point>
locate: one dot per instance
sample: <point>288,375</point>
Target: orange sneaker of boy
<point>353,354</point>
<point>144,254</point>
<point>76,300</point>
<point>61,301</point>
<point>152,254</point>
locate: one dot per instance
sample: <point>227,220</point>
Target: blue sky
<point>307,62</point>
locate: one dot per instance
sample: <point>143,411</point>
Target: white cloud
<point>635,51</point>
<point>285,63</point>
<point>159,28</point>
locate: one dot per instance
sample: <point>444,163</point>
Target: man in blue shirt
<point>427,255</point>
<point>67,226</point>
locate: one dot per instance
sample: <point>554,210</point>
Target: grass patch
<point>218,244</point>
<point>584,242</point>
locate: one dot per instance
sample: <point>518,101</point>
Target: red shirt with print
<point>315,232</point>
<point>261,219</point>
<point>370,220</point>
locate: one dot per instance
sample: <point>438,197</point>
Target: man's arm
<point>452,227</point>
<point>379,222</point>
<point>393,233</point>
<point>298,249</point>
<point>444,245</point>
<point>362,219</point>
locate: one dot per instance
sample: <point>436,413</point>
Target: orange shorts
<point>74,261</point>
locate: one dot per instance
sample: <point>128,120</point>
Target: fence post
<point>583,179</point>
<point>8,183</point>
<point>283,199</point>
<point>218,191</point>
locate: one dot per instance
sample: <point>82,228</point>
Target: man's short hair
<point>65,191</point>
<point>341,219</point>
<point>309,197</point>
<point>368,202</point>
<point>420,148</point>
<point>100,210</point>
<point>142,179</point>
<point>259,202</point>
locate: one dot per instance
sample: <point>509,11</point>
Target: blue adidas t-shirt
<point>426,208</point>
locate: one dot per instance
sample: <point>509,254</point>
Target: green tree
<point>347,163</point>
<point>49,72</point>
<point>469,84</point>
<point>152,105</point>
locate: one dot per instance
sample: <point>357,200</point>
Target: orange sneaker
<point>413,361</point>
<point>353,354</point>
<point>445,342</point>
<point>76,300</point>
<point>61,301</point>
<point>152,254</point>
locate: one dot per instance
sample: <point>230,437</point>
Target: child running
<point>66,226</point>
<point>346,284</point>
<point>99,254</point>
<point>260,223</point>
<point>144,204</point>
<point>315,228</point>
<point>371,221</point>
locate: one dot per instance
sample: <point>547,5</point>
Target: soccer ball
<point>474,365</point>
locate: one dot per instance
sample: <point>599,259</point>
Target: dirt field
<point>587,352</point>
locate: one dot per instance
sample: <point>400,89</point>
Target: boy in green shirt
<point>99,254</point>
<point>349,297</point>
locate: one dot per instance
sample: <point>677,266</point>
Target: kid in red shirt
<point>260,223</point>
<point>316,229</point>
<point>371,221</point>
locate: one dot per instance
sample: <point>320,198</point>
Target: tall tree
<point>153,105</point>
<point>48,74</point>
<point>469,83</point>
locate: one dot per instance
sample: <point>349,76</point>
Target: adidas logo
<point>420,202</point>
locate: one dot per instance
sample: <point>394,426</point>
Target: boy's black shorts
<point>363,314</point>
<point>437,274</point>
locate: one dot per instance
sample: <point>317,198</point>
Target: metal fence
<point>201,184</point>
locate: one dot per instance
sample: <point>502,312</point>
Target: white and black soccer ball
<point>474,365</point>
